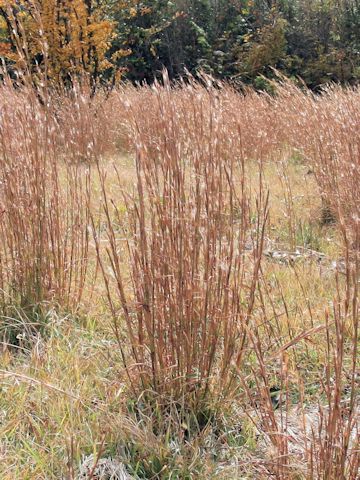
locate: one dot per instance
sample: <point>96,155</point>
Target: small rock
<point>105,469</point>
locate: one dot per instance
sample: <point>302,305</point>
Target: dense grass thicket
<point>179,274</point>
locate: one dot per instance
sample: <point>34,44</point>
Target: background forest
<point>238,40</point>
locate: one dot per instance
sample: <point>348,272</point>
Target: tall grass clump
<point>183,277</point>
<point>249,117</point>
<point>324,129</point>
<point>336,157</point>
<point>316,437</point>
<point>87,122</point>
<point>44,206</point>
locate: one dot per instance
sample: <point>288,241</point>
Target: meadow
<point>179,282</point>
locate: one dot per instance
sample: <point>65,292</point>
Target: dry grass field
<point>179,283</point>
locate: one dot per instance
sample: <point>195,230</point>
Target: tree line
<point>238,40</point>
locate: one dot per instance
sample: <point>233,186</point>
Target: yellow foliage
<point>61,37</point>
<point>270,48</point>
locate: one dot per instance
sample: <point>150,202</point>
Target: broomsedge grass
<point>44,208</point>
<point>189,330</point>
<point>191,295</point>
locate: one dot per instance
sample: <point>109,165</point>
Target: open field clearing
<point>179,283</point>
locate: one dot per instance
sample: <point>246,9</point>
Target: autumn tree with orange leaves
<point>58,38</point>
